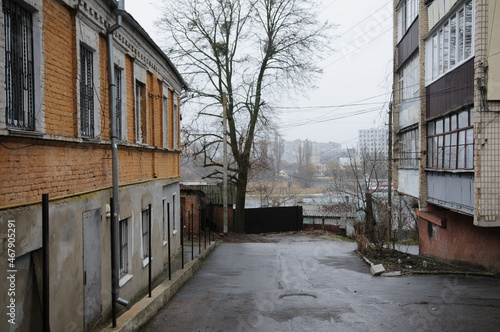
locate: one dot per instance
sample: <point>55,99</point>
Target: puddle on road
<point>297,296</point>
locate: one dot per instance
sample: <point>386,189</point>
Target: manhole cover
<point>297,296</point>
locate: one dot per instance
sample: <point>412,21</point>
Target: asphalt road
<point>301,284</point>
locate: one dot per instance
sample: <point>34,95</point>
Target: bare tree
<point>359,177</point>
<point>305,168</point>
<point>252,50</point>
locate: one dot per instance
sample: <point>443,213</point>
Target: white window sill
<point>125,279</point>
<point>145,262</point>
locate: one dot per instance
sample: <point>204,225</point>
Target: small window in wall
<point>124,247</point>
<point>140,113</point>
<point>176,124</point>
<point>409,80</point>
<point>408,149</point>
<point>19,70</point>
<point>174,229</point>
<point>145,233</point>
<point>450,141</point>
<point>165,122</point>
<point>86,92</point>
<point>118,82</point>
<point>165,221</point>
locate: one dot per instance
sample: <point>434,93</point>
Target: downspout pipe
<point>115,247</point>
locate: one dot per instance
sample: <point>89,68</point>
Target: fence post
<point>45,259</point>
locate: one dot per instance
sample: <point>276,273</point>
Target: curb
<point>398,273</point>
<point>144,310</point>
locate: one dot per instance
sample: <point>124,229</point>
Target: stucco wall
<point>66,253</point>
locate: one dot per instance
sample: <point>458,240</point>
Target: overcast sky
<point>354,91</point>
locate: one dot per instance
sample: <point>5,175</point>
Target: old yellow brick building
<point>55,139</point>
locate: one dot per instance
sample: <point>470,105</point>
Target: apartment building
<point>373,140</point>
<point>55,139</point>
<point>447,124</point>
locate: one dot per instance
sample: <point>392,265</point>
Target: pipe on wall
<point>115,247</point>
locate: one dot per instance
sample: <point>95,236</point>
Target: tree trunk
<point>370,219</point>
<point>239,214</point>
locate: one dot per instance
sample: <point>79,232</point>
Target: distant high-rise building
<point>373,140</point>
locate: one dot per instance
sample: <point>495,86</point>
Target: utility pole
<point>389,176</point>
<point>224,185</point>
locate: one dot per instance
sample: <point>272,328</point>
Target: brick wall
<point>486,130</point>
<point>61,163</point>
<point>60,75</point>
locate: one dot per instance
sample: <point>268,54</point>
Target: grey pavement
<point>301,284</point>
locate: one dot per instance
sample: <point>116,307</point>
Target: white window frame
<point>89,38</point>
<point>145,254</point>
<point>441,55</point>
<point>165,217</point>
<point>174,204</point>
<point>407,13</point>
<point>409,79</point>
<point>408,149</point>
<point>139,86</point>
<point>140,75</point>
<point>35,7</point>
<point>119,59</point>
<point>176,121</point>
<point>165,110</point>
<point>126,275</point>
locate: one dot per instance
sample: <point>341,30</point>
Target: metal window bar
<point>19,72</point>
<point>123,247</point>
<point>118,81</point>
<point>86,93</point>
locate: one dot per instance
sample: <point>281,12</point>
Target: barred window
<point>450,141</point>
<point>19,72</point>
<point>145,233</point>
<point>408,149</point>
<point>123,247</point>
<point>140,113</point>
<point>86,92</point>
<point>176,125</point>
<point>118,82</point>
<point>165,122</point>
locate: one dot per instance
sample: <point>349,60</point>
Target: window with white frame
<point>86,91</point>
<point>409,79</point>
<point>452,44</point>
<point>145,233</point>
<point>408,148</point>
<point>407,12</point>
<point>124,247</point>
<point>450,141</point>
<point>19,67</point>
<point>165,229</point>
<point>165,121</point>
<point>140,112</point>
<point>173,213</point>
<point>118,82</point>
<point>176,124</point>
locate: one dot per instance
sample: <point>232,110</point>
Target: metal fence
<point>268,220</point>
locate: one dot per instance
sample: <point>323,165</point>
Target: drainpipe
<point>115,248</point>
